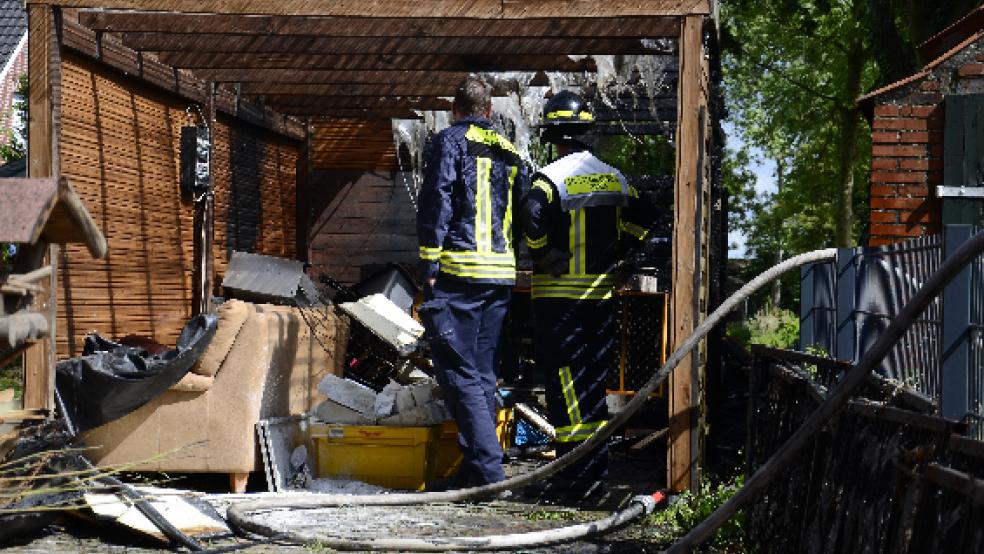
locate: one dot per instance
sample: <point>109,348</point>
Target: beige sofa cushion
<point>193,382</point>
<point>298,362</point>
<point>232,314</point>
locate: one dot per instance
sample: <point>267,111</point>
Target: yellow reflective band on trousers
<point>632,229</point>
<point>570,395</point>
<point>489,137</point>
<point>545,187</point>
<point>507,219</point>
<point>577,431</point>
<point>574,287</point>
<point>483,205</point>
<point>479,265</point>
<point>536,243</point>
<point>430,254</point>
<point>592,182</point>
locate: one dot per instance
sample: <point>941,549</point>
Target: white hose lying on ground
<point>238,514</point>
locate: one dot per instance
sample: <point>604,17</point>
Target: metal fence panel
<point>880,478</point>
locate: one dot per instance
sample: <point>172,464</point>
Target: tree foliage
<point>793,70</point>
<point>14,145</point>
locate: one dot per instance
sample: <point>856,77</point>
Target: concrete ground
<point>632,472</point>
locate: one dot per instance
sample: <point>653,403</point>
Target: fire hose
<point>238,514</point>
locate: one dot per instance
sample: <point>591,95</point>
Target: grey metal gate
<point>847,304</point>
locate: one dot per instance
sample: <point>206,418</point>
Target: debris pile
<point>417,404</point>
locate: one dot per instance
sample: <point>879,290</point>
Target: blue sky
<point>765,183</point>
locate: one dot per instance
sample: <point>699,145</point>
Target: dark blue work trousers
<point>464,322</point>
<point>574,345</point>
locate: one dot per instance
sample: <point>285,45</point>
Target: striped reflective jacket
<point>464,215</point>
<point>589,219</point>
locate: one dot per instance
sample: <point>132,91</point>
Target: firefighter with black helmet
<point>579,216</point>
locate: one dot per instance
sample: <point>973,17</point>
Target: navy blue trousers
<point>574,347</point>
<point>463,323</point>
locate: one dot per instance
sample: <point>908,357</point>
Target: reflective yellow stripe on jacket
<point>431,254</point>
<point>479,265</point>
<point>483,205</point>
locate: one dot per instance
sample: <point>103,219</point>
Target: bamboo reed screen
<point>119,148</point>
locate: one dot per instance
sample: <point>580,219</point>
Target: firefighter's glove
<point>555,262</point>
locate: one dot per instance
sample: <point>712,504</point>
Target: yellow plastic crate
<point>391,457</point>
<point>446,456</point>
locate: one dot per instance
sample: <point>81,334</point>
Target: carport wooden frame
<point>617,25</point>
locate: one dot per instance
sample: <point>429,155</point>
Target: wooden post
<point>684,393</point>
<point>44,77</point>
<point>302,196</point>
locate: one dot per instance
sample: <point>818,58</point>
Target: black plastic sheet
<point>111,380</point>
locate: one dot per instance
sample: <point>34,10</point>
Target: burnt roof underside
<point>360,66</point>
<point>306,59</point>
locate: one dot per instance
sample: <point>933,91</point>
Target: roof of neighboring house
<point>13,25</point>
<point>946,39</point>
<point>866,102</point>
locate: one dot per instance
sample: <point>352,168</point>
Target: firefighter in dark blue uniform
<point>464,225</point>
<point>579,217</point>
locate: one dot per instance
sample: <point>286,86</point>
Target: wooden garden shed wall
<point>363,216</point>
<point>119,149</point>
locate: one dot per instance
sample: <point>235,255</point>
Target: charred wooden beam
<point>328,77</point>
<point>308,44</point>
<point>400,89</point>
<point>377,62</point>
<point>314,104</point>
<point>197,23</point>
<point>364,114</point>
<point>443,89</point>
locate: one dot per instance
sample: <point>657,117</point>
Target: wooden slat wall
<point>369,222</point>
<point>362,212</point>
<point>119,149</point>
<point>255,193</point>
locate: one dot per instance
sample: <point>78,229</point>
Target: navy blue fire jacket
<point>464,214</point>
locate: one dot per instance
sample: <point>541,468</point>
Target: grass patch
<point>691,509</point>
<point>12,376</point>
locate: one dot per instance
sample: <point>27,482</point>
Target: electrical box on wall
<point>195,172</point>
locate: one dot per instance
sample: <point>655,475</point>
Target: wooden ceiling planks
<point>315,105</point>
<point>308,44</point>
<point>331,77</point>
<point>437,62</point>
<point>446,88</point>
<point>478,9</point>
<point>104,49</point>
<point>182,23</point>
<point>365,58</point>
